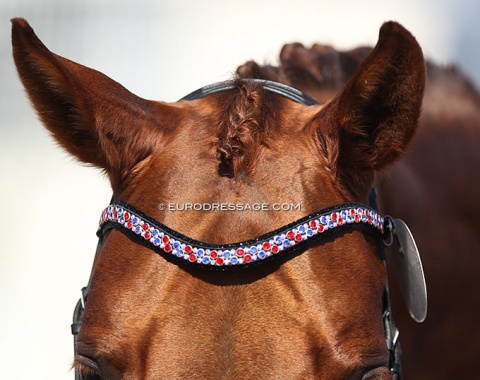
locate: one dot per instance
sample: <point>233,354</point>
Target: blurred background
<point>160,50</point>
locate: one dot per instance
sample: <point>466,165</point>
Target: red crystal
<point>275,249</point>
<point>290,235</point>
<point>192,258</point>
<point>334,216</point>
<point>313,224</point>
<point>247,258</point>
<point>240,252</point>
<point>188,249</point>
<point>165,239</point>
<point>266,246</point>
<point>129,224</point>
<point>168,248</point>
<point>320,228</point>
<point>146,227</point>
<point>340,221</point>
<point>298,237</point>
<point>220,261</point>
<point>147,235</point>
<point>126,216</point>
<point>213,254</point>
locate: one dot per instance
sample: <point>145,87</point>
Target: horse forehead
<point>287,155</point>
<point>266,131</point>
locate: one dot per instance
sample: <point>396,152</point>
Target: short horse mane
<point>321,71</point>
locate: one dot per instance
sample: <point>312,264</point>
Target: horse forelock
<point>245,127</point>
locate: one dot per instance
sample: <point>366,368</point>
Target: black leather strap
<point>391,331</point>
<point>277,88</point>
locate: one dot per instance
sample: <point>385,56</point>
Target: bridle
<point>282,242</point>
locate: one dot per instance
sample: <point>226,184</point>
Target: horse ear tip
<point>20,25</point>
<point>22,34</point>
<point>394,28</point>
<point>19,22</point>
<point>391,26</point>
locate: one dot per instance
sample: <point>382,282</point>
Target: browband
<point>286,239</point>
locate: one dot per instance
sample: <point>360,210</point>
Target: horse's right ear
<point>90,115</point>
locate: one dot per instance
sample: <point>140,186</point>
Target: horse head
<point>314,314</point>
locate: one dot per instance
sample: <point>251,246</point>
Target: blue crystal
<point>301,229</point>
<point>323,219</point>
<point>206,260</point>
<point>226,254</point>
<point>156,242</point>
<point>331,224</point>
<point>176,244</point>
<point>200,252</point>
<point>278,239</point>
<point>234,260</point>
<point>261,255</point>
<point>180,252</point>
<point>138,229</point>
<point>286,243</point>
<point>253,250</point>
<point>310,232</point>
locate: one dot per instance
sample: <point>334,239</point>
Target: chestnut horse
<point>314,313</point>
<point>434,188</point>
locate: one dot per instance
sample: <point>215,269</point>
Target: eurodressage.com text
<point>230,207</point>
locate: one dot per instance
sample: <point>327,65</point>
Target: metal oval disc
<point>409,270</point>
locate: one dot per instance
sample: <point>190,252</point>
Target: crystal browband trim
<point>288,238</point>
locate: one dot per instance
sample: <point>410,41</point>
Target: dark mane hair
<point>309,69</point>
<point>321,71</point>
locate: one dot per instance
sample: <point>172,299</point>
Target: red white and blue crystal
<point>242,253</point>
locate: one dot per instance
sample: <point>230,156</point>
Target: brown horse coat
<point>317,315</point>
<point>434,188</point>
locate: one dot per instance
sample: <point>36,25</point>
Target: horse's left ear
<point>370,123</point>
<point>93,117</point>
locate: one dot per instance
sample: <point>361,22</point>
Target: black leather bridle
<point>239,256</point>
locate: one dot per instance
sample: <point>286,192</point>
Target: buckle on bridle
<point>78,315</point>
